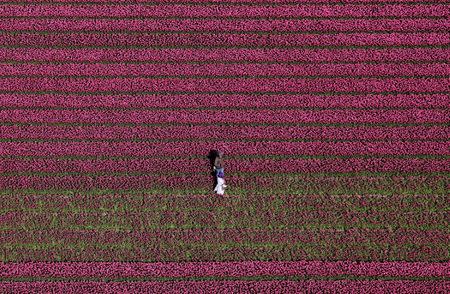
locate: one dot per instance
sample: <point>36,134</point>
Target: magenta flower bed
<point>226,116</point>
<point>299,270</point>
<point>225,25</point>
<point>236,70</point>
<point>229,286</point>
<point>159,165</point>
<point>162,10</point>
<point>217,100</point>
<point>334,120</point>
<point>232,148</point>
<point>225,269</point>
<point>211,39</point>
<point>227,54</point>
<point>267,132</point>
<point>221,85</point>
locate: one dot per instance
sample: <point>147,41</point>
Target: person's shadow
<point>213,153</point>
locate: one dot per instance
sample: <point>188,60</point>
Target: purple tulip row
<point>307,286</point>
<point>225,69</point>
<point>162,10</point>
<point>241,165</point>
<point>224,269</point>
<point>226,54</point>
<point>226,116</point>
<point>214,39</point>
<point>230,148</point>
<point>229,100</point>
<point>227,133</point>
<point>302,85</point>
<point>224,25</point>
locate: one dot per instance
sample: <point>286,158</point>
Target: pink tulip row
<point>224,269</point>
<point>231,2</point>
<point>290,165</point>
<point>301,85</point>
<point>138,10</point>
<point>307,286</point>
<point>214,39</point>
<point>258,184</point>
<point>274,25</point>
<point>225,69</point>
<point>196,116</point>
<point>220,100</point>
<point>230,148</point>
<point>224,133</point>
<point>226,54</point>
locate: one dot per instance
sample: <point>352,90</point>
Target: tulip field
<point>334,120</point>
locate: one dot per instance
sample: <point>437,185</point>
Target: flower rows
<point>237,70</point>
<point>340,286</point>
<point>114,252</point>
<point>159,211</point>
<point>215,39</point>
<point>302,85</point>
<point>221,100</point>
<point>206,244</point>
<point>231,148</point>
<point>244,219</point>
<point>227,54</point>
<point>274,25</point>
<point>234,165</point>
<point>224,133</point>
<point>227,116</point>
<point>226,11</point>
<point>260,185</point>
<point>216,236</point>
<point>217,2</point>
<point>224,269</point>
<point>114,202</point>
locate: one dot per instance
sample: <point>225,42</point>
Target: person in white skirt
<point>219,173</point>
